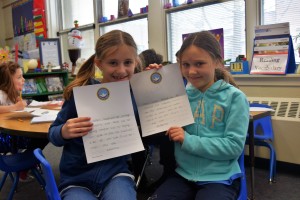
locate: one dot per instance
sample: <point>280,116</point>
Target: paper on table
<point>115,131</point>
<point>45,104</point>
<point>35,103</point>
<point>43,118</point>
<point>32,112</point>
<point>30,109</point>
<point>44,115</point>
<point>26,113</point>
<point>161,99</point>
<point>260,109</point>
<point>20,114</point>
<point>41,112</point>
<point>52,105</point>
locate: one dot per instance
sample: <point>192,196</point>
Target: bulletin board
<point>29,17</point>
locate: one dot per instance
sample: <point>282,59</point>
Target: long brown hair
<point>105,43</point>
<point>7,70</point>
<point>207,41</point>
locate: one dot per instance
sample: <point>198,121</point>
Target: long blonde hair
<point>7,70</point>
<point>105,43</point>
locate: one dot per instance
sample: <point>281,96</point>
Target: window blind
<point>83,11</point>
<point>279,11</point>
<point>138,29</point>
<point>229,15</point>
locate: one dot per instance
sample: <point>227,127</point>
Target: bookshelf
<point>43,95</point>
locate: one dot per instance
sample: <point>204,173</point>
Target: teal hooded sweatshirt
<point>213,144</point>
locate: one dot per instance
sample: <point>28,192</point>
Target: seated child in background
<point>148,57</point>
<point>11,84</point>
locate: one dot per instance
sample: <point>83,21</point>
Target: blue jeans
<point>121,187</point>
<point>176,187</point>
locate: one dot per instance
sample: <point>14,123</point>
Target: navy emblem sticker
<point>156,77</point>
<point>103,93</point>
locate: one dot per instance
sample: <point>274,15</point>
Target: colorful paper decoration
<point>40,29</point>
<point>5,54</point>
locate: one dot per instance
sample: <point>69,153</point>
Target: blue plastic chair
<point>13,164</point>
<point>264,136</point>
<point>50,187</point>
<point>243,190</point>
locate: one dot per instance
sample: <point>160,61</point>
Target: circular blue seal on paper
<point>103,93</point>
<point>156,77</point>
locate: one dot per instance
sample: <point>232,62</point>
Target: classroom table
<point>23,127</point>
<point>254,115</point>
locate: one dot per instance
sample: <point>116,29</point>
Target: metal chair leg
<point>143,169</point>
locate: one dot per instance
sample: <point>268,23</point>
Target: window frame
<point>139,16</point>
<point>185,7</point>
<point>261,22</point>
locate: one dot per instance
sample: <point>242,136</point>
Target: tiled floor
<point>286,187</point>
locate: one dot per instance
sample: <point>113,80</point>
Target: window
<point>279,11</point>
<point>229,15</point>
<point>138,29</point>
<point>83,11</point>
<point>136,26</point>
<point>110,7</point>
<point>88,48</point>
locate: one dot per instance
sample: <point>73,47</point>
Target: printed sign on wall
<point>273,51</point>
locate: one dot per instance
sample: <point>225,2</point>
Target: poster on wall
<point>218,33</point>
<point>26,42</point>
<point>22,17</point>
<point>29,18</point>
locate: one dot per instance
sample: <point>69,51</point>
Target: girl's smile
<point>198,67</point>
<point>118,64</point>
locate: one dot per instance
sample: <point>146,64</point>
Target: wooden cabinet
<point>37,78</point>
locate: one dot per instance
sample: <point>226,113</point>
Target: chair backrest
<point>263,127</point>
<point>18,162</point>
<point>5,146</point>
<point>243,189</point>
<point>51,187</point>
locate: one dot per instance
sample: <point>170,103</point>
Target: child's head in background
<point>11,80</point>
<point>116,57</point>
<point>201,61</point>
<point>148,57</point>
